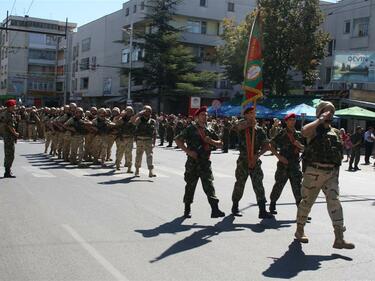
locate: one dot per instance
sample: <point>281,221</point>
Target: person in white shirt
<point>369,144</point>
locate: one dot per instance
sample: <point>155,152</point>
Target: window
<point>218,29</point>
<point>51,40</point>
<point>59,86</point>
<point>347,27</point>
<point>93,63</point>
<point>230,7</point>
<point>134,9</point>
<point>84,83</point>
<point>203,3</point>
<point>142,5</point>
<point>42,54</point>
<point>126,12</point>
<point>328,74</point>
<point>125,56</point>
<point>360,27</point>
<point>331,47</point>
<point>86,43</point>
<point>85,64</point>
<point>194,26</point>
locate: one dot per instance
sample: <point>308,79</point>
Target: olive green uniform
<point>145,133</point>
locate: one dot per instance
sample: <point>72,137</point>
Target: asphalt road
<point>58,222</point>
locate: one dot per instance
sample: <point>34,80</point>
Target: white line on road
<point>95,254</point>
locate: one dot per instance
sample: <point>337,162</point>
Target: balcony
<point>42,62</point>
<point>208,66</point>
<point>201,39</point>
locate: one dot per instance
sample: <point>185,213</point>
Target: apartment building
<point>200,20</point>
<point>34,66</point>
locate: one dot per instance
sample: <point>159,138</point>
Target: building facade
<point>97,76</point>
<point>34,66</point>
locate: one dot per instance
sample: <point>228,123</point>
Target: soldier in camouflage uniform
<point>199,139</point>
<point>114,116</point>
<point>170,131</point>
<point>22,124</point>
<point>90,135</point>
<point>226,134</point>
<point>10,137</point>
<point>323,155</point>
<point>289,143</point>
<point>250,165</point>
<point>179,127</point>
<point>145,133</point>
<point>32,123</point>
<point>162,127</point>
<point>125,139</point>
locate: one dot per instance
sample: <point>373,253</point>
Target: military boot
<point>263,214</point>
<point>117,165</point>
<point>8,174</point>
<point>215,211</point>
<point>340,243</point>
<point>300,234</point>
<point>235,210</point>
<point>151,173</point>
<point>136,172</point>
<point>187,211</point>
<point>273,208</point>
<point>129,171</point>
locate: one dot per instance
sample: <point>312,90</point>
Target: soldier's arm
<point>309,130</point>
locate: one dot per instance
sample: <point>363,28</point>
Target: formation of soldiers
<point>79,136</point>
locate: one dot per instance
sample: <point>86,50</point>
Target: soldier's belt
<point>319,167</point>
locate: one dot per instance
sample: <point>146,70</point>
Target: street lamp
<point>130,32</point>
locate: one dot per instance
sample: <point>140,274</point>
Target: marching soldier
<point>170,130</point>
<point>248,165</point>
<point>162,126</point>
<point>145,133</point>
<point>90,135</point>
<point>22,124</point>
<point>112,135</point>
<point>10,137</point>
<point>289,142</point>
<point>125,139</point>
<point>323,156</point>
<point>196,141</point>
<point>226,134</point>
<point>32,122</point>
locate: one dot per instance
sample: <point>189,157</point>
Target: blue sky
<point>78,11</point>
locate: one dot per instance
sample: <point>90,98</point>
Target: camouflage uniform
<point>226,135</point>
<point>161,131</point>
<point>243,171</point>
<point>198,169</point>
<point>145,133</point>
<point>292,170</point>
<point>22,124</point>
<point>48,131</point>
<point>170,132</point>
<point>77,139</point>
<point>100,143</point>
<point>356,151</point>
<point>66,137</point>
<point>124,142</point>
<point>323,155</point>
<point>32,125</point>
<point>9,140</point>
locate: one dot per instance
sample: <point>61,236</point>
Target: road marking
<point>181,173</point>
<point>38,173</point>
<point>95,254</point>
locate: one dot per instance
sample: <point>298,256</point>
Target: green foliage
<point>291,38</point>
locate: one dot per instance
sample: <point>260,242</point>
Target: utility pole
<point>130,65</point>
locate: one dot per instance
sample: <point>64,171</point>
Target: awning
<point>356,112</point>
<point>359,103</point>
<point>116,99</point>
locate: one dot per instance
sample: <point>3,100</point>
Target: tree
<point>291,38</point>
<point>169,67</point>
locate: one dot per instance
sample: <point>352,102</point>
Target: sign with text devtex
<point>355,67</point>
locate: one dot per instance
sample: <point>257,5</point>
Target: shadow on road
<point>295,261</point>
<point>205,234</point>
<point>124,181</point>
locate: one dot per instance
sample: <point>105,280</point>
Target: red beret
<point>10,103</point>
<point>200,110</point>
<point>290,115</point>
<point>249,109</point>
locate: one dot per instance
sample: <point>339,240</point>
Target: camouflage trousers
<point>124,147</point>
<point>22,129</point>
<point>89,138</point>
<point>144,145</point>
<point>32,131</point>
<point>315,180</point>
<point>111,140</point>
<point>195,170</point>
<point>76,149</point>
<point>66,145</point>
<point>291,172</point>
<point>9,147</point>
<point>55,143</point>
<point>48,136</point>
<point>256,175</point>
<point>60,143</point>
<point>99,148</point>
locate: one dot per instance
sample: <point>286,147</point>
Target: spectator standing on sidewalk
<point>369,144</point>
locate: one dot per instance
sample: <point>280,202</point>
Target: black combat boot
<point>235,211</point>
<point>273,208</point>
<point>187,212</point>
<point>263,214</point>
<point>215,211</point>
<point>8,174</point>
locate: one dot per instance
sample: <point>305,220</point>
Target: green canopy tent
<point>355,112</point>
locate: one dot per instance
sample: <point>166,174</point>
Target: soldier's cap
<point>73,104</point>
<point>116,109</point>
<point>10,103</point>
<point>102,110</point>
<point>324,105</point>
<point>129,108</point>
<point>249,109</point>
<point>79,109</point>
<point>147,107</point>
<point>290,115</point>
<point>93,108</point>
<point>358,128</point>
<point>200,110</point>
